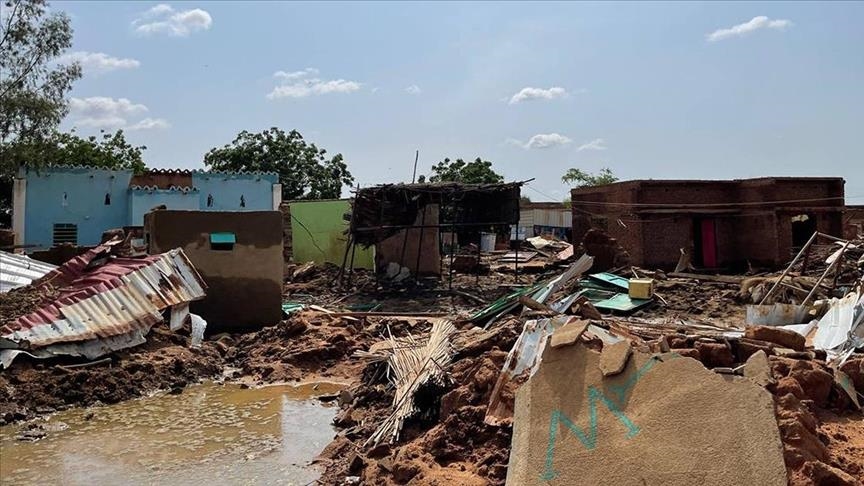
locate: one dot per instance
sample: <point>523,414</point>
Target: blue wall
<point>84,205</point>
<point>141,201</point>
<point>85,191</point>
<point>226,189</point>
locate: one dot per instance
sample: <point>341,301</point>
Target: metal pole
<point>785,272</point>
<point>414,176</point>
<point>825,273</point>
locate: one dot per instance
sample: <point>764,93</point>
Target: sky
<point>649,90</point>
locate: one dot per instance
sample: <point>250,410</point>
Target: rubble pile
<point>446,386</point>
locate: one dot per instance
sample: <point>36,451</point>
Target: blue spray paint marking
<point>589,440</point>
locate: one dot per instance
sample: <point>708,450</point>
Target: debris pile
<point>540,378</point>
<point>97,303</point>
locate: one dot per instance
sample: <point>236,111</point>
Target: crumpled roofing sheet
<point>20,270</point>
<point>123,297</point>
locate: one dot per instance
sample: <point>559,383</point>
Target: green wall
<point>318,233</point>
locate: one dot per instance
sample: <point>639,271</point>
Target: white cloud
<point>110,113</point>
<point>596,144</point>
<point>149,124</point>
<point>530,94</point>
<point>413,89</point>
<point>754,24</point>
<point>163,19</point>
<point>295,74</point>
<point>300,84</point>
<point>541,141</point>
<point>99,62</point>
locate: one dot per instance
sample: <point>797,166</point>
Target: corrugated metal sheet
<point>118,298</point>
<point>557,218</point>
<point>20,270</point>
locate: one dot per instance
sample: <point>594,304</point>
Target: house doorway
<point>803,227</point>
<point>705,242</point>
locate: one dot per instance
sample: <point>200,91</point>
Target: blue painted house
<point>76,204</point>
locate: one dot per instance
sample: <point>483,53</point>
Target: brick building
<point>853,221</point>
<point>721,224</point>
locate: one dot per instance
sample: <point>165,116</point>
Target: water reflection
<point>210,433</point>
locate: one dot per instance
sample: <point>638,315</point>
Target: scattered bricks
<point>715,355</point>
<point>689,353</point>
<point>743,349</point>
<point>801,444</point>
<point>783,337</point>
<point>854,369</point>
<point>815,383</point>
<point>789,407</point>
<point>356,463</point>
<point>823,474</point>
<point>678,342</point>
<point>788,385</point>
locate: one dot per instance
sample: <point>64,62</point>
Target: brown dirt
<point>823,438</point>
<point>22,301</point>
<point>30,388</point>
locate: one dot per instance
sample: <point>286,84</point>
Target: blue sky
<point>650,90</point>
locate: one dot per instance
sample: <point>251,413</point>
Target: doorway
<point>803,227</point>
<point>705,242</point>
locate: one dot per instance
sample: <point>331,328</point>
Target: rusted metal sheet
<point>20,270</point>
<point>109,303</point>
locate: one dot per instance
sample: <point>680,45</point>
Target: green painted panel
<point>318,233</point>
<point>223,238</point>
<point>622,303</point>
<point>612,279</point>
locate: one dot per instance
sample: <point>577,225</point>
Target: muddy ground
<point>823,438</point>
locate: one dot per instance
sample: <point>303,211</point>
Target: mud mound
<point>456,446</point>
<point>22,301</point>
<point>32,387</point>
<point>823,439</point>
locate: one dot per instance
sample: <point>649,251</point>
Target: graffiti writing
<point>595,398</point>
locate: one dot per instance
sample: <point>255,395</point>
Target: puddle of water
<point>222,434</point>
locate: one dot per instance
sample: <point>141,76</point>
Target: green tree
<point>305,171</point>
<point>110,151</point>
<point>580,178</point>
<point>476,172</point>
<point>33,85</point>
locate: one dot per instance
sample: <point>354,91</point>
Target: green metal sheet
<point>289,308</point>
<point>621,303</point>
<point>223,238</point>
<point>612,279</point>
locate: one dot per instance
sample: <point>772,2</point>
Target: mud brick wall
<point>244,281</point>
<point>287,240</point>
<point>654,229</point>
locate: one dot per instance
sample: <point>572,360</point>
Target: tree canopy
<point>33,85</point>
<point>305,171</point>
<point>580,178</point>
<point>477,171</point>
<point>110,151</point>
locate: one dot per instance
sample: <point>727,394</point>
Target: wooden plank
<point>708,278</point>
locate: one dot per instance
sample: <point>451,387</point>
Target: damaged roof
<point>381,211</point>
<point>20,270</point>
<point>92,304</point>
